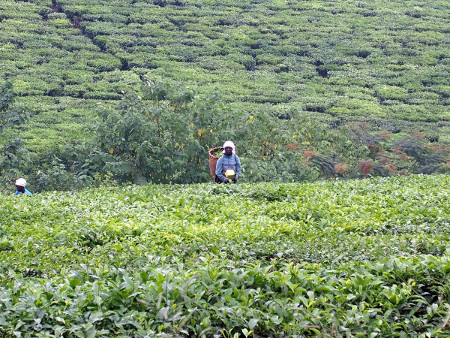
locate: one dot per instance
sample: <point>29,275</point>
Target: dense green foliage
<point>163,136</point>
<point>353,58</point>
<point>100,93</point>
<point>338,63</point>
<point>356,258</point>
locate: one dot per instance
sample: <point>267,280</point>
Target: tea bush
<point>362,257</point>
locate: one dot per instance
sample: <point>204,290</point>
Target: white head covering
<point>21,182</point>
<point>228,144</point>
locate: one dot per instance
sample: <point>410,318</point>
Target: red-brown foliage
<point>366,167</point>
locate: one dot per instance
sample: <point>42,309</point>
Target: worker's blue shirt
<point>26,192</point>
<point>225,163</point>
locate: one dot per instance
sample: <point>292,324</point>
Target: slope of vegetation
<point>367,257</point>
<point>378,61</point>
<point>163,135</point>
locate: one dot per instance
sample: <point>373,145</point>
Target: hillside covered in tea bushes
<point>307,74</point>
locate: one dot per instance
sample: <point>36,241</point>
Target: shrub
<point>10,114</point>
<point>159,137</point>
<point>14,160</point>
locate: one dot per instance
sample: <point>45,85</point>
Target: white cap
<point>228,144</point>
<point>21,182</point>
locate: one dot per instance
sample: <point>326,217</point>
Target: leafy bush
<point>10,114</point>
<point>355,258</point>
<point>14,160</point>
<point>159,137</point>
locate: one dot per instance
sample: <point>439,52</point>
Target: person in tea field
<point>21,183</point>
<point>228,167</point>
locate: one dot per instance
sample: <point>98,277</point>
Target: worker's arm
<point>238,167</point>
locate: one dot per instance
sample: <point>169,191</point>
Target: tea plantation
<point>139,91</point>
<point>381,62</point>
<point>338,258</point>
<point>109,108</point>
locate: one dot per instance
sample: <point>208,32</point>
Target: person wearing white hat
<point>21,183</point>
<point>228,167</point>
